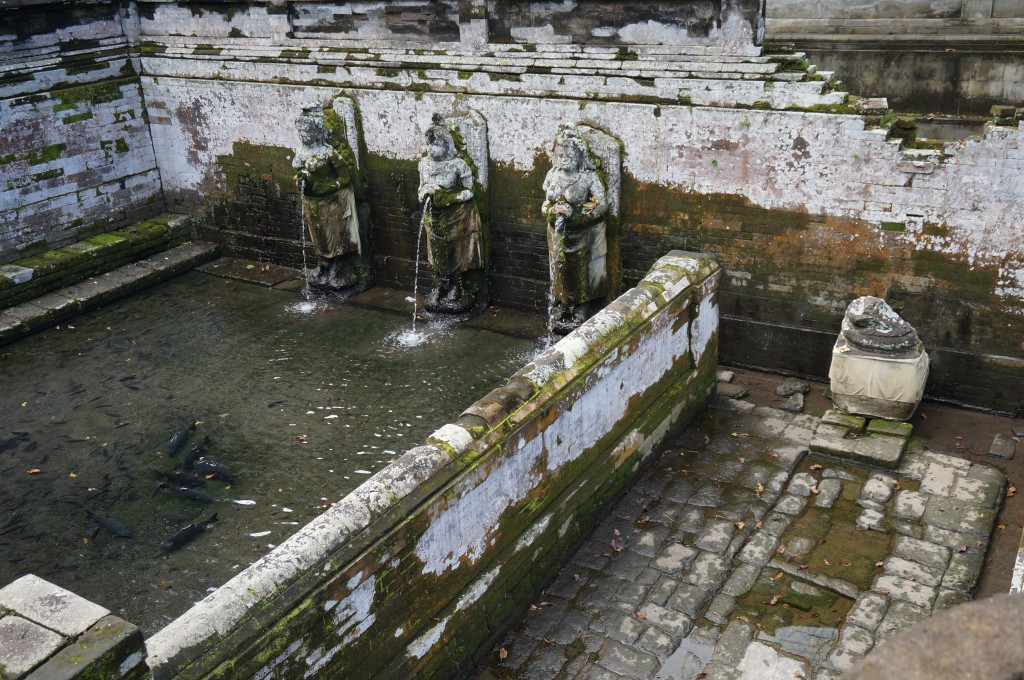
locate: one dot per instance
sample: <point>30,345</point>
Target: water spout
<point>416,278</point>
<point>302,231</point>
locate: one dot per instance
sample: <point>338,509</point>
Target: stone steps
<point>65,303</point>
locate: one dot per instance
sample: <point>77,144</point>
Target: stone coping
<point>63,304</point>
<point>353,523</point>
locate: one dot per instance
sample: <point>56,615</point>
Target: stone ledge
<point>60,305</point>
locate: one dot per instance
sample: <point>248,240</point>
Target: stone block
<point>16,274</point>
<point>24,645</point>
<point>795,404</point>
<point>732,390</point>
<point>828,492</point>
<point>910,504</point>
<point>893,428</point>
<point>850,422</point>
<point>792,386</point>
<point>764,662</point>
<point>1003,447</point>
<point>50,605</point>
<point>112,648</point>
<point>879,451</point>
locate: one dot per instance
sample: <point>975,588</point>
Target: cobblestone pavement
<point>737,555</point>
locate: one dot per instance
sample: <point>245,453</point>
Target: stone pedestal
<point>876,386</point>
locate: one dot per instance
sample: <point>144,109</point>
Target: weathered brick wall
<point>77,158</point>
<point>421,568</point>
<point>951,56</point>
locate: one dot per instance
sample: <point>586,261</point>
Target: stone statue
<point>452,222</point>
<point>327,174</point>
<point>879,366</point>
<point>575,205</point>
<point>870,325</point>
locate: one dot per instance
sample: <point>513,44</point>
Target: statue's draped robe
<point>578,255</point>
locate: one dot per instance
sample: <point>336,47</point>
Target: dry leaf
<point>533,607</point>
<point>742,459</point>
<point>502,654</point>
<point>879,564</point>
<point>775,600</point>
<point>33,471</point>
<point>1000,526</point>
<point>640,614</point>
<point>815,467</point>
<point>616,532</point>
<point>575,577</point>
<point>92,488</point>
<point>781,550</point>
<point>546,604</point>
<point>1011,491</point>
<point>740,525</point>
<point>778,575</point>
<point>85,540</point>
<point>814,490</point>
<point>165,584</point>
<point>72,475</point>
<point>223,415</point>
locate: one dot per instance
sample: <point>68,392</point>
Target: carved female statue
<point>452,221</point>
<point>326,169</point>
<point>574,207</point>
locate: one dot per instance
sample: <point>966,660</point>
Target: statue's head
<point>570,152</point>
<point>310,125</point>
<point>440,144</point>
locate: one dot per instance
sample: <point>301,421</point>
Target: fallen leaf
<point>72,475</point>
<point>165,584</point>
<point>781,550</point>
<point>742,459</point>
<point>1011,491</point>
<point>533,607</point>
<point>640,614</point>
<point>33,471</point>
<point>616,532</point>
<point>546,604</point>
<point>502,653</point>
<point>85,540</point>
<point>92,488</point>
<point>778,575</point>
<point>740,525</point>
<point>1000,526</point>
<point>815,467</point>
<point>223,415</point>
<point>879,564</point>
<point>814,490</point>
<point>774,600</point>
<point>575,577</point>
<point>760,489</point>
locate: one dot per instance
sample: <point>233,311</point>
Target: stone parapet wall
<point>420,569</point>
<point>77,158</point>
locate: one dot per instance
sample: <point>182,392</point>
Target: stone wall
<point>419,570</point>
<point>930,56</point>
<point>77,158</point>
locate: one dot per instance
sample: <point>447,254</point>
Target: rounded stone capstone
<point>871,325</point>
<point>978,639</point>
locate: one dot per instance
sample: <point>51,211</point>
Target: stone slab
<point>50,605</point>
<point>24,645</point>
<point>1003,447</point>
<point>112,648</point>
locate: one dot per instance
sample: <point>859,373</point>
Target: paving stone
<point>50,605</point>
<point>733,643</point>
<point>847,422</point>
<point>798,547</point>
<point>619,626</point>
<point>908,591</point>
<point>708,496</point>
<point>893,428</point>
<point>867,611</point>
<point>668,620</point>
<point>759,549</point>
<point>878,488</point>
<point>658,642</point>
<point>800,435</point>
<point>871,505</point>
<point>717,670</point>
<point>832,473</point>
<point>949,598</point>
<point>674,558</point>
<point>689,599</point>
<point>963,571</point>
<point>909,504</point>
<point>111,643</point>
<point>545,662</point>
<point>715,536</point>
<point>977,521</point>
<point>913,571</point>
<point>741,580</point>
<point>763,662</point>
<point>986,473</point>
<point>961,465</point>
<point>826,674</point>
<point>878,451</point>
<point>632,593</point>
<point>770,425</point>
<point>945,513</point>
<point>912,466</point>
<point>906,528</point>
<point>688,520</point>
<point>901,615</point>
<point>732,390</point>
<point>842,587</point>
<point>787,457</point>
<point>978,491</point>
<point>679,491</point>
<point>24,645</point>
<point>1003,447</point>
<point>708,571</point>
<point>791,505</point>
<point>795,404</point>
<point>662,590</point>
<point>1018,431</point>
<point>724,376</point>
<point>569,629</point>
<point>777,524</point>
<point>950,539</point>
<point>872,519</point>
<point>729,404</point>
<point>719,609</point>
<point>802,483</point>
<point>599,673</point>
<point>773,487</point>
<point>630,566</point>
<point>924,552</point>
<point>828,492</point>
<point>854,643</point>
<point>791,386</point>
<point>649,541</point>
<point>519,649</point>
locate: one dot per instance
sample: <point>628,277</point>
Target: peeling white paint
<point>704,327</point>
<point>477,589</point>
<point>453,435</point>
<point>425,642</point>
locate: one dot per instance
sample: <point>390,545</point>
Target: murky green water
<point>301,407</point>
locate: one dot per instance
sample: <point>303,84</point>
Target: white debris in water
<point>286,510</point>
<point>309,413</point>
<point>260,534</point>
<point>333,415</point>
<point>390,452</point>
<point>410,298</point>
<point>362,472</point>
<point>243,502</point>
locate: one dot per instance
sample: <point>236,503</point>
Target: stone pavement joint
<point>744,559</point>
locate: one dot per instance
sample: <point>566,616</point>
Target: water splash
<point>302,232</point>
<point>416,277</point>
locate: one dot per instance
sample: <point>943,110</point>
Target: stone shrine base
<point>739,555</point>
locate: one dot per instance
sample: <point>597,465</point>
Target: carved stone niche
<point>879,366</point>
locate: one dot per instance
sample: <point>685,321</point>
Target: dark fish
<point>182,478</point>
<point>197,451</point>
<point>185,492</point>
<point>205,466</point>
<point>11,442</point>
<point>185,535</point>
<point>179,438</point>
<point>111,524</point>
